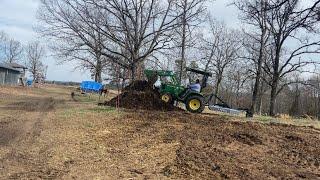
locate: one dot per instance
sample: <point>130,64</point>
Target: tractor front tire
<point>195,104</point>
<point>167,98</point>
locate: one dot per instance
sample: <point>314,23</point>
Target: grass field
<point>45,134</point>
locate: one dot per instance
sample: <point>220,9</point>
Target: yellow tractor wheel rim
<point>194,104</point>
<point>165,98</point>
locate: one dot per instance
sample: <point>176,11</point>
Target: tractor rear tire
<point>195,104</point>
<point>167,98</point>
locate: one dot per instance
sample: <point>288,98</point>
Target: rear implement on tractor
<point>171,90</point>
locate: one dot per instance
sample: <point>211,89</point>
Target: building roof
<point>15,65</point>
<point>6,66</point>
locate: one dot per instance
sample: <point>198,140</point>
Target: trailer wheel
<point>195,104</point>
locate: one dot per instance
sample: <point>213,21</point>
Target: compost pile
<point>140,95</point>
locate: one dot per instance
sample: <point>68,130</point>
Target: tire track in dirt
<point>8,130</point>
<point>20,132</point>
<point>12,127</point>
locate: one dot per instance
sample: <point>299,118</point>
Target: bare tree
<point>74,39</point>
<point>279,22</point>
<point>35,52</point>
<point>221,50</point>
<point>285,21</point>
<point>13,51</point>
<point>134,30</point>
<point>190,13</point>
<point>254,13</point>
<point>236,83</point>
<point>138,28</point>
<point>3,39</point>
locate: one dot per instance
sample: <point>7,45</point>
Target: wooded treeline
<point>268,65</point>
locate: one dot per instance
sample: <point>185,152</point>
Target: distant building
<point>12,74</point>
<point>19,67</point>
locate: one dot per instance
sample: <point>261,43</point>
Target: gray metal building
<point>9,75</point>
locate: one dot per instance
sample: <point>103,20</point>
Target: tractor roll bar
<point>199,72</point>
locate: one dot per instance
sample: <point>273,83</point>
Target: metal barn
<point>9,75</point>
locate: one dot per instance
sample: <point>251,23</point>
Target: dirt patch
<point>18,126</point>
<point>7,134</point>
<point>209,147</point>
<point>248,139</point>
<point>140,95</point>
<point>78,142</point>
<point>247,151</point>
<point>294,138</point>
<point>35,105</point>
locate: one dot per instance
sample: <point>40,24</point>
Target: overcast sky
<point>18,18</point>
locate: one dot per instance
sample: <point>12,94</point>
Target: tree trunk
<point>258,104</point>
<point>318,104</point>
<point>273,96</point>
<point>255,93</point>
<point>216,91</point>
<point>260,97</point>
<point>275,78</point>
<point>295,107</point>
<point>183,43</point>
<point>133,72</point>
<point>137,71</point>
<point>97,76</point>
<point>318,97</point>
<point>34,74</point>
<point>140,71</point>
<point>98,72</point>
<point>238,97</point>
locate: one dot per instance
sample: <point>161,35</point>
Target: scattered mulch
<point>248,151</point>
<point>213,148</point>
<point>140,95</point>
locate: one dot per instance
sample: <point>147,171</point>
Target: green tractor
<point>171,90</point>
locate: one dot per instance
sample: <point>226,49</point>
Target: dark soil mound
<point>140,95</point>
<point>139,85</point>
<point>145,100</point>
